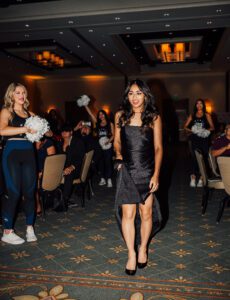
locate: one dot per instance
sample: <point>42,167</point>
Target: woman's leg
<point>28,179</point>
<point>146,227</point>
<point>128,230</point>
<point>11,170</point>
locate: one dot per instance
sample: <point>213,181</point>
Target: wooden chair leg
<point>91,188</point>
<point>205,200</point>
<point>83,195</point>
<point>221,209</point>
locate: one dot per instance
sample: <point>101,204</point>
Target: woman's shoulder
<point>6,112</point>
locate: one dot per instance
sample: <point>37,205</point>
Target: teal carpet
<point>81,255</point>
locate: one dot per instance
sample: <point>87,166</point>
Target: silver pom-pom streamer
<point>201,132</point>
<point>83,100</point>
<point>40,125</point>
<point>103,141</point>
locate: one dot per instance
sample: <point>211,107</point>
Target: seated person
<point>75,150</point>
<point>84,131</point>
<point>221,145</point>
<point>44,148</point>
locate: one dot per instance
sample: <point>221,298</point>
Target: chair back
<point>213,163</point>
<point>224,167</point>
<point>52,173</point>
<point>86,165</point>
<point>201,165</point>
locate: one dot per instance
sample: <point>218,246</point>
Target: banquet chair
<point>224,167</point>
<point>213,164</point>
<point>209,184</point>
<point>84,181</point>
<point>51,178</point>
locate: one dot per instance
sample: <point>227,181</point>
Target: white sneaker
<point>30,235</point>
<point>109,183</point>
<point>102,181</point>
<point>12,238</point>
<point>193,182</point>
<point>200,183</point>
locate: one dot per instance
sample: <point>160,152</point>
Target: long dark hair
<point>195,108</point>
<point>108,125</point>
<point>149,113</point>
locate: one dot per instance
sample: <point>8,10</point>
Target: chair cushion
<point>215,184</point>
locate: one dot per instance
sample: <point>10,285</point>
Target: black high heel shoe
<point>130,272</point>
<point>143,265</point>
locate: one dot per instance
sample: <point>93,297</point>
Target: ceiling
<point>113,38</point>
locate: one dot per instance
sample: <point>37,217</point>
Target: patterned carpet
<point>81,255</point>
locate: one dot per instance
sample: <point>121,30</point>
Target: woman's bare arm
<point>117,139</point>
<point>5,129</point>
<point>188,121</point>
<point>210,122</point>
<point>92,116</point>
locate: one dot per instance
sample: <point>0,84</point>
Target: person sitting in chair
<point>221,145</point>
<point>75,150</point>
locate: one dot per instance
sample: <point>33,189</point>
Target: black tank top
<point>202,122</point>
<point>18,121</point>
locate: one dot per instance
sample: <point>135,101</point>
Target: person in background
<point>221,145</point>
<point>19,165</point>
<point>203,121</point>
<point>139,151</point>
<point>74,149</point>
<point>44,148</point>
<point>105,135</point>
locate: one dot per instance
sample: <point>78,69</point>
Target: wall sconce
<point>48,59</point>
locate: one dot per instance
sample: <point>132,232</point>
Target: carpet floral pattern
<point>81,255</point>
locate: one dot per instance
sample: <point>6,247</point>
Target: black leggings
<point>19,168</point>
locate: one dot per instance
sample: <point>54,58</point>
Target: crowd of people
<point>133,142</point>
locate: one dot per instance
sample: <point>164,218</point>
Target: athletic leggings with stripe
<point>19,169</point>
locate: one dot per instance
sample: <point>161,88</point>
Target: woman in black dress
<point>201,119</point>
<point>138,147</point>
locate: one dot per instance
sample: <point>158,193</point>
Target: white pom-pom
<point>83,100</point>
<point>201,132</point>
<point>103,141</point>
<point>41,126</point>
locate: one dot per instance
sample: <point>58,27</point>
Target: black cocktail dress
<point>133,178</point>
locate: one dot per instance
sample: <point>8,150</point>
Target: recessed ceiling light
<point>228,57</point>
<point>128,36</point>
<point>27,35</point>
<point>70,22</point>
<point>114,54</point>
<point>128,28</point>
<point>103,44</point>
<point>166,14</point>
<point>121,63</point>
<point>167,25</point>
<point>170,33</point>
<point>117,18</point>
<point>90,30</point>
<point>61,32</point>
<point>218,10</point>
<point>209,22</point>
<point>78,46</point>
<point>141,57</point>
<point>214,30</point>
<point>54,41</point>
<point>91,56</point>
<point>27,25</point>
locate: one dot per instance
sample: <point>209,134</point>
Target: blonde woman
<point>19,166</point>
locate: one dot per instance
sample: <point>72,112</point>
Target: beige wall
<point>48,93</point>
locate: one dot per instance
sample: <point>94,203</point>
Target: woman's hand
<point>30,130</point>
<point>154,184</point>
<point>49,133</point>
